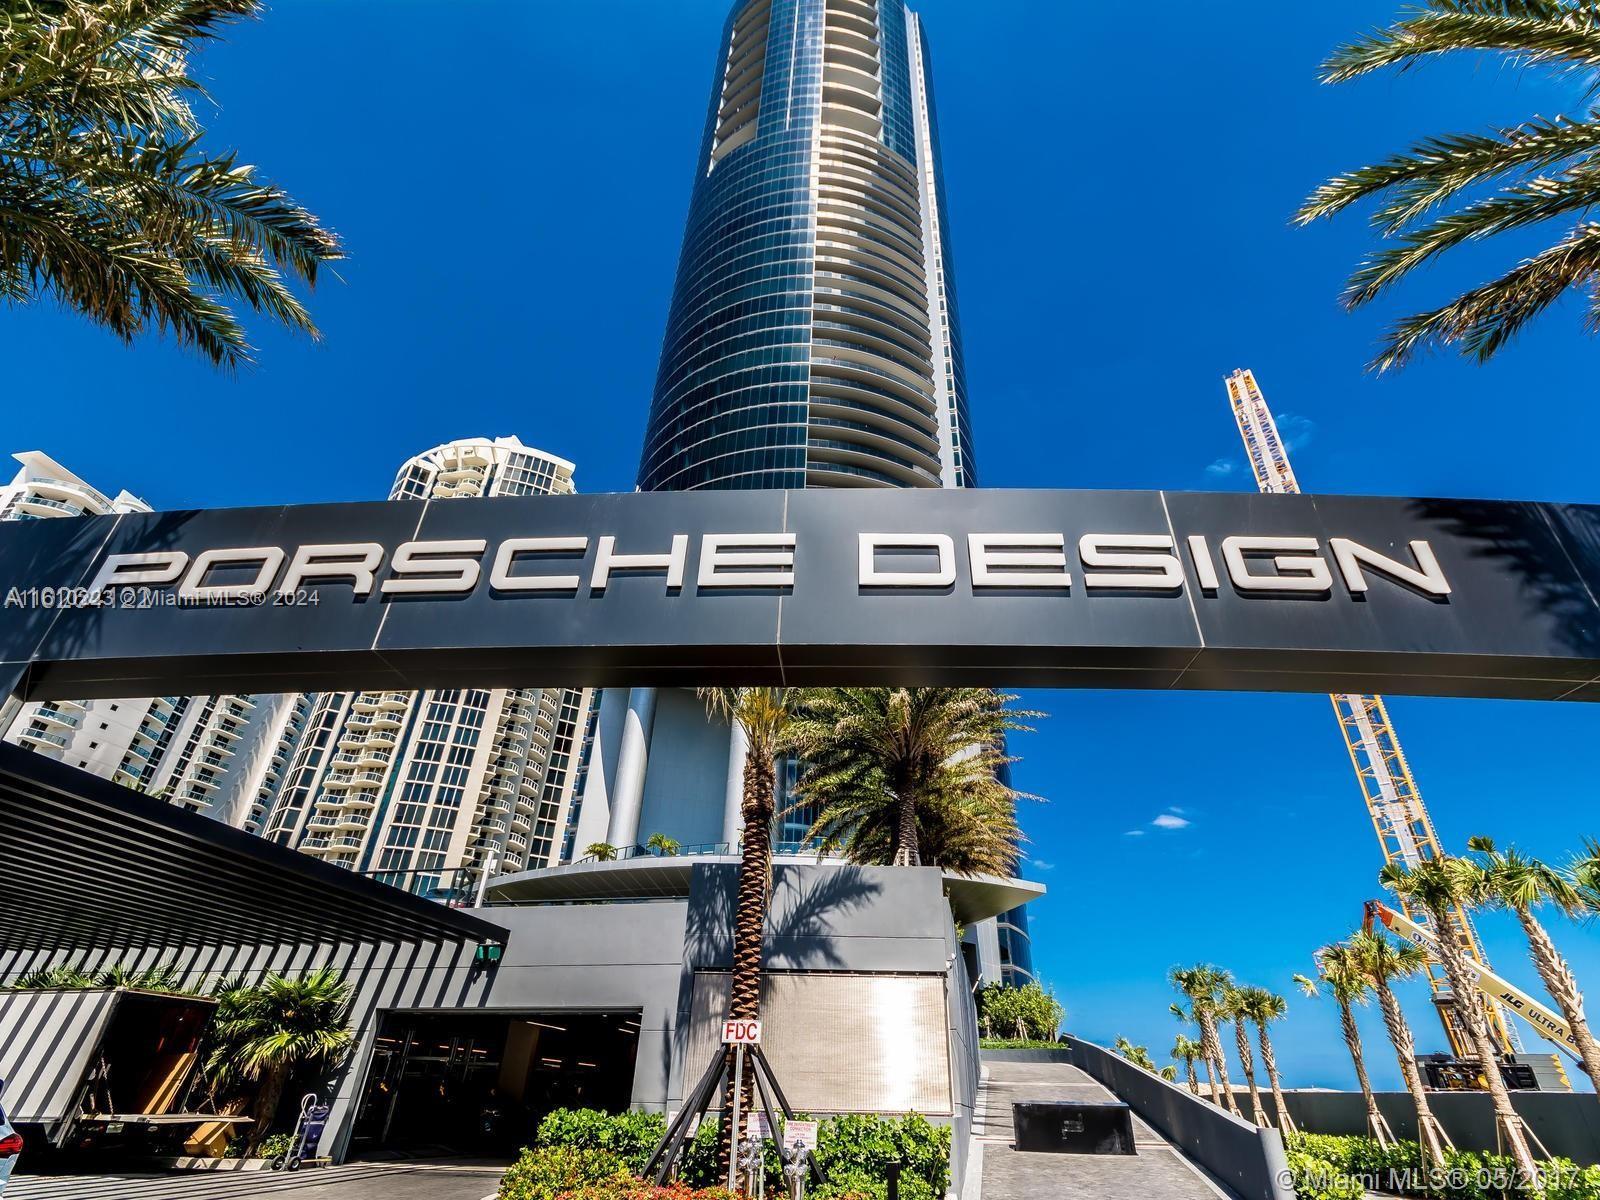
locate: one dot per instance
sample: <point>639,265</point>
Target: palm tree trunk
<point>1270,1061</point>
<point>1211,1075</point>
<point>906,851</point>
<point>1194,1080</point>
<point>1470,1013</point>
<point>1376,1124</point>
<point>272,1085</point>
<point>1241,1040</point>
<point>1563,988</point>
<point>1430,1134</point>
<point>1213,1043</point>
<point>749,927</point>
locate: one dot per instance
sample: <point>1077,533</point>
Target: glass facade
<point>809,338</point>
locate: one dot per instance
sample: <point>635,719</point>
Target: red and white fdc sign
<point>741,1033</point>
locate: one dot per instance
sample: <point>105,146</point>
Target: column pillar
<point>627,793</point>
<point>733,798</point>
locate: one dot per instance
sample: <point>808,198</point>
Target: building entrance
<point>477,1084</point>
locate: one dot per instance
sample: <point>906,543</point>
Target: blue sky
<point>511,179</point>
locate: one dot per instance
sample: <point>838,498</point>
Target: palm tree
<point>1204,984</point>
<point>1186,1050</point>
<point>277,1026</point>
<point>1384,961</point>
<point>1139,1056</point>
<point>1236,1006</point>
<point>1517,882</point>
<point>1439,885</point>
<point>1263,1007</point>
<point>765,715</point>
<point>600,852</point>
<point>1340,971</point>
<point>1186,1017</point>
<point>108,204</point>
<point>1534,172</point>
<point>1584,875</point>
<point>912,775</point>
<point>660,843</point>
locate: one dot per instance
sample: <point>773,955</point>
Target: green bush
<point>1019,1044</point>
<point>275,1145</point>
<point>1464,1175</point>
<point>545,1172</point>
<point>1027,1013</point>
<point>1319,1179</point>
<point>630,1136</point>
<point>852,1149</point>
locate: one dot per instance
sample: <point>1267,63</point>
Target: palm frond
<point>1485,318</point>
<point>1565,32</point>
<point>107,202</point>
<point>1437,168</point>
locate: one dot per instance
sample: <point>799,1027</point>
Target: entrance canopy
<point>91,866</point>
<point>1038,588</point>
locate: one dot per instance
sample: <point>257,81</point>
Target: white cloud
<point>1170,820</point>
<point>1134,833</point>
<point>1222,466</point>
<point>1295,430</point>
<point>1040,865</point>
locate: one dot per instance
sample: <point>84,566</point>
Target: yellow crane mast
<point>1394,803</point>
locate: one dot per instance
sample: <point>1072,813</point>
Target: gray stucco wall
<point>1568,1123</point>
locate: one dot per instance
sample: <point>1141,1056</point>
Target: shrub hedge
<point>1326,1160</point>
<point>853,1151</point>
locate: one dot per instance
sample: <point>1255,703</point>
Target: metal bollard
<point>892,1169</point>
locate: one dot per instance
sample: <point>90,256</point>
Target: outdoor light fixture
<point>488,954</point>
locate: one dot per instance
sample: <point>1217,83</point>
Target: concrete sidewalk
<point>1156,1171</point>
<point>351,1181</point>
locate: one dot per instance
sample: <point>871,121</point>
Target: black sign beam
<point>1035,588</point>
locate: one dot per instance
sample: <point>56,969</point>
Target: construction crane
<point>1398,815</point>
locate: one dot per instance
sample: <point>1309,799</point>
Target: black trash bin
<point>1074,1126</point>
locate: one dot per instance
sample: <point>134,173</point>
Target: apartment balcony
<point>222,745</point>
<point>51,715</point>
<point>517,842</point>
<point>322,821</point>
<point>44,506</point>
<point>385,720</point>
<point>498,825</point>
<point>522,822</point>
<point>207,784</point>
<point>393,701</point>
<point>346,843</point>
<point>361,723</point>
<point>43,738</point>
<point>126,777</point>
<point>366,801</point>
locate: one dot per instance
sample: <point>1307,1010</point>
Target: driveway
<point>352,1181</point>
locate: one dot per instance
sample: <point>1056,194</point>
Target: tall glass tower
<point>813,338</point>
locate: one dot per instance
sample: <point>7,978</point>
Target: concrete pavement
<point>1156,1171</point>
<point>351,1181</point>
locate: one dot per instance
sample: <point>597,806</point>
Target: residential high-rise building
<point>428,790</point>
<point>813,338</point>
<point>210,754</point>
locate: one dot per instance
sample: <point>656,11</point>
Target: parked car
<point>10,1143</point>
